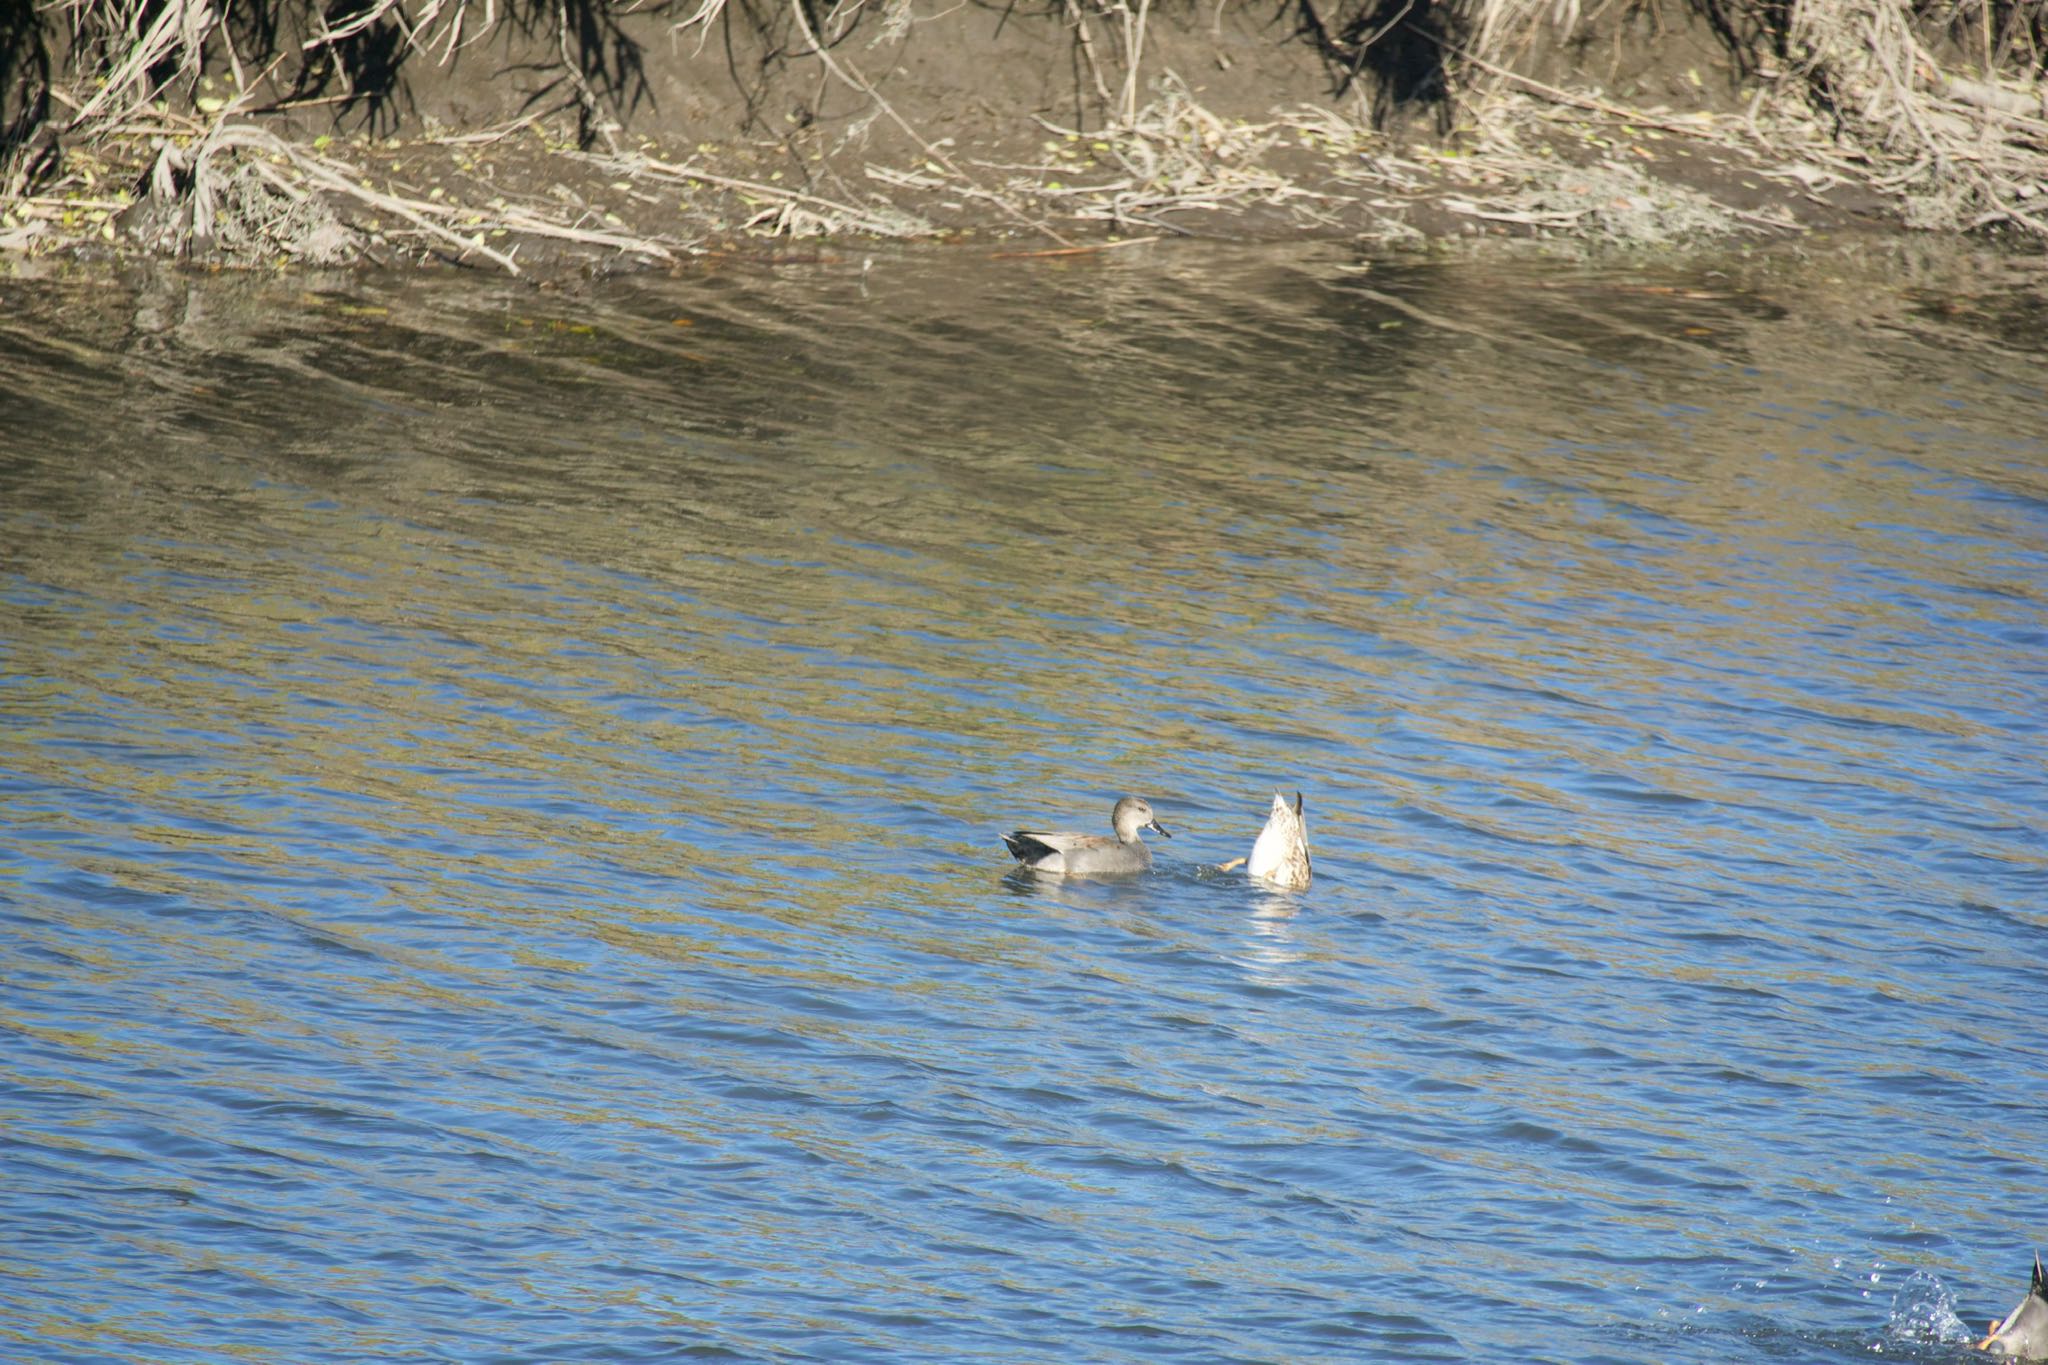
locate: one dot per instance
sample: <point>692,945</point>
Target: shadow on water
<point>504,800</point>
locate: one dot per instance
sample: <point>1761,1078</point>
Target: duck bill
<point>1160,830</point>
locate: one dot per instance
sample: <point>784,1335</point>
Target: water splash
<point>1924,1309</point>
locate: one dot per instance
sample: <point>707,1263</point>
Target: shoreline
<point>526,208</point>
<point>700,167</point>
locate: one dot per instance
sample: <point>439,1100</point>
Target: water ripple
<point>502,798</point>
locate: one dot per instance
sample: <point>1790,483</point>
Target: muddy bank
<point>602,137</point>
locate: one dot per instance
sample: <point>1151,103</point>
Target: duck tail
<point>1026,846</point>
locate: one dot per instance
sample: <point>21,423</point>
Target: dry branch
<point>832,215</point>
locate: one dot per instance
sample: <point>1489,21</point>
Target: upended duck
<point>1092,855</point>
<point>1280,855</point>
<point>2024,1332</point>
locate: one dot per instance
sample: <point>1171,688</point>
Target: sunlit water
<point>500,848</point>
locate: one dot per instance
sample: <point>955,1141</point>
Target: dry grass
<point>236,192</point>
<point>778,211</point>
<point>1875,90</point>
<point>1968,149</point>
<point>1172,155</point>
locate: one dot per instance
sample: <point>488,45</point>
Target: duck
<point>1092,855</point>
<point>1279,856</point>
<point>2024,1331</point>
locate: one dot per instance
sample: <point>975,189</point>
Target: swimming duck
<point>1092,855</point>
<point>2024,1333</point>
<point>1280,855</point>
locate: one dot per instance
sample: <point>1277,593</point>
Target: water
<point>502,797</point>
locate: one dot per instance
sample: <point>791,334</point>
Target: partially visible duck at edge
<point>1092,855</point>
<point>1280,856</point>
<point>2024,1332</point>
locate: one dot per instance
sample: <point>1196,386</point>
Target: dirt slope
<point>605,136</point>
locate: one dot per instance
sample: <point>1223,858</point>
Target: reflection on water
<point>503,793</point>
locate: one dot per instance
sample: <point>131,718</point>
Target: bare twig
<point>930,150</point>
<point>841,217</point>
<point>346,181</point>
<point>1134,52</point>
<point>1551,92</point>
<point>1089,249</point>
<point>594,112</point>
<point>1087,41</point>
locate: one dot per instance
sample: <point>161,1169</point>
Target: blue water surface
<point>501,797</point>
